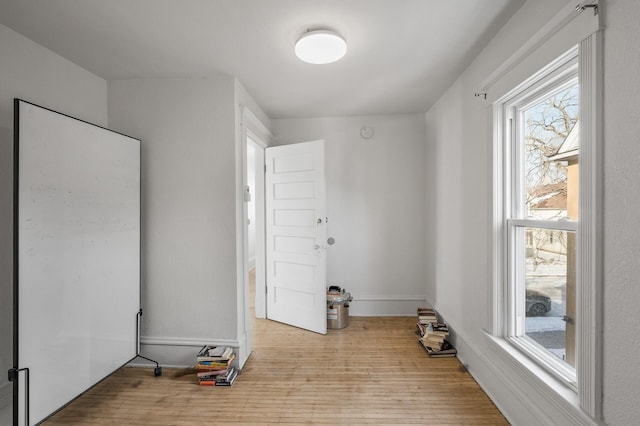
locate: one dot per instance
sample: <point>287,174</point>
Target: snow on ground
<point>535,324</point>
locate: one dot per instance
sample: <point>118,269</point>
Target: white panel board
<point>302,162</point>
<point>294,191</point>
<point>291,274</point>
<point>296,244</point>
<point>295,218</point>
<point>78,254</point>
<point>303,302</point>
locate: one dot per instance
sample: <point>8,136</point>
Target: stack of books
<point>426,316</point>
<point>433,334</point>
<point>215,366</point>
<point>447,350</point>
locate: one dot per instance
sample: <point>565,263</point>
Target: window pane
<point>551,147</point>
<point>550,283</point>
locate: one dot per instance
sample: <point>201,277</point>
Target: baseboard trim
<point>179,341</point>
<point>393,297</point>
<point>176,352</point>
<point>385,305</point>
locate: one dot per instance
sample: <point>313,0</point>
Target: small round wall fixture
<point>366,132</point>
<point>320,47</point>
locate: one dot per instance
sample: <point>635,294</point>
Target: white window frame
<point>558,75</point>
<point>585,380</point>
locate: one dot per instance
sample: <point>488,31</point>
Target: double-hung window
<point>547,197</point>
<point>541,146</point>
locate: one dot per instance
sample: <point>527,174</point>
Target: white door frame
<point>250,127</point>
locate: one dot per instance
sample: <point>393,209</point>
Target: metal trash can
<point>337,307</point>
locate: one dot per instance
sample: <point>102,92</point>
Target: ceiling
<point>402,54</point>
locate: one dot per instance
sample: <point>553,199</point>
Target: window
<point>547,215</point>
<point>541,147</point>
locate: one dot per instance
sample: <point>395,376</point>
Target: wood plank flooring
<point>372,372</point>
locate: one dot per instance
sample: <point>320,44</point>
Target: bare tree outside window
<point>550,166</point>
<point>547,125</point>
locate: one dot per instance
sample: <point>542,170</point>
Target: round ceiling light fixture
<point>320,47</point>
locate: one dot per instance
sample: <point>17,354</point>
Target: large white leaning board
<point>78,255</point>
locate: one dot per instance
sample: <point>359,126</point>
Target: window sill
<point>544,360</point>
<point>527,375</point>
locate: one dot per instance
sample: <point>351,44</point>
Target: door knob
<point>331,241</point>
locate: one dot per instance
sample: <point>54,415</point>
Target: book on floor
<point>427,315</point>
<point>215,366</point>
<point>227,379</point>
<point>446,350</point>
<point>214,353</point>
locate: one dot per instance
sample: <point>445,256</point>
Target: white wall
<point>376,207</point>
<point>189,209</point>
<point>621,230</point>
<point>459,141</point>
<point>35,74</point>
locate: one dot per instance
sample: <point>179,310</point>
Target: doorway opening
<point>299,197</point>
<point>254,138</point>
<point>254,227</point>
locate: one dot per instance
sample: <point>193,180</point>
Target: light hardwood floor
<point>372,372</point>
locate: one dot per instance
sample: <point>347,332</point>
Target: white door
<point>296,235</point>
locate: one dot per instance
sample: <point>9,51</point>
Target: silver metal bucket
<point>337,308</point>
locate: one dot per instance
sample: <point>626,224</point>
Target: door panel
<point>295,235</point>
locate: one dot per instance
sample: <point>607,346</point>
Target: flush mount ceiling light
<point>320,47</point>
